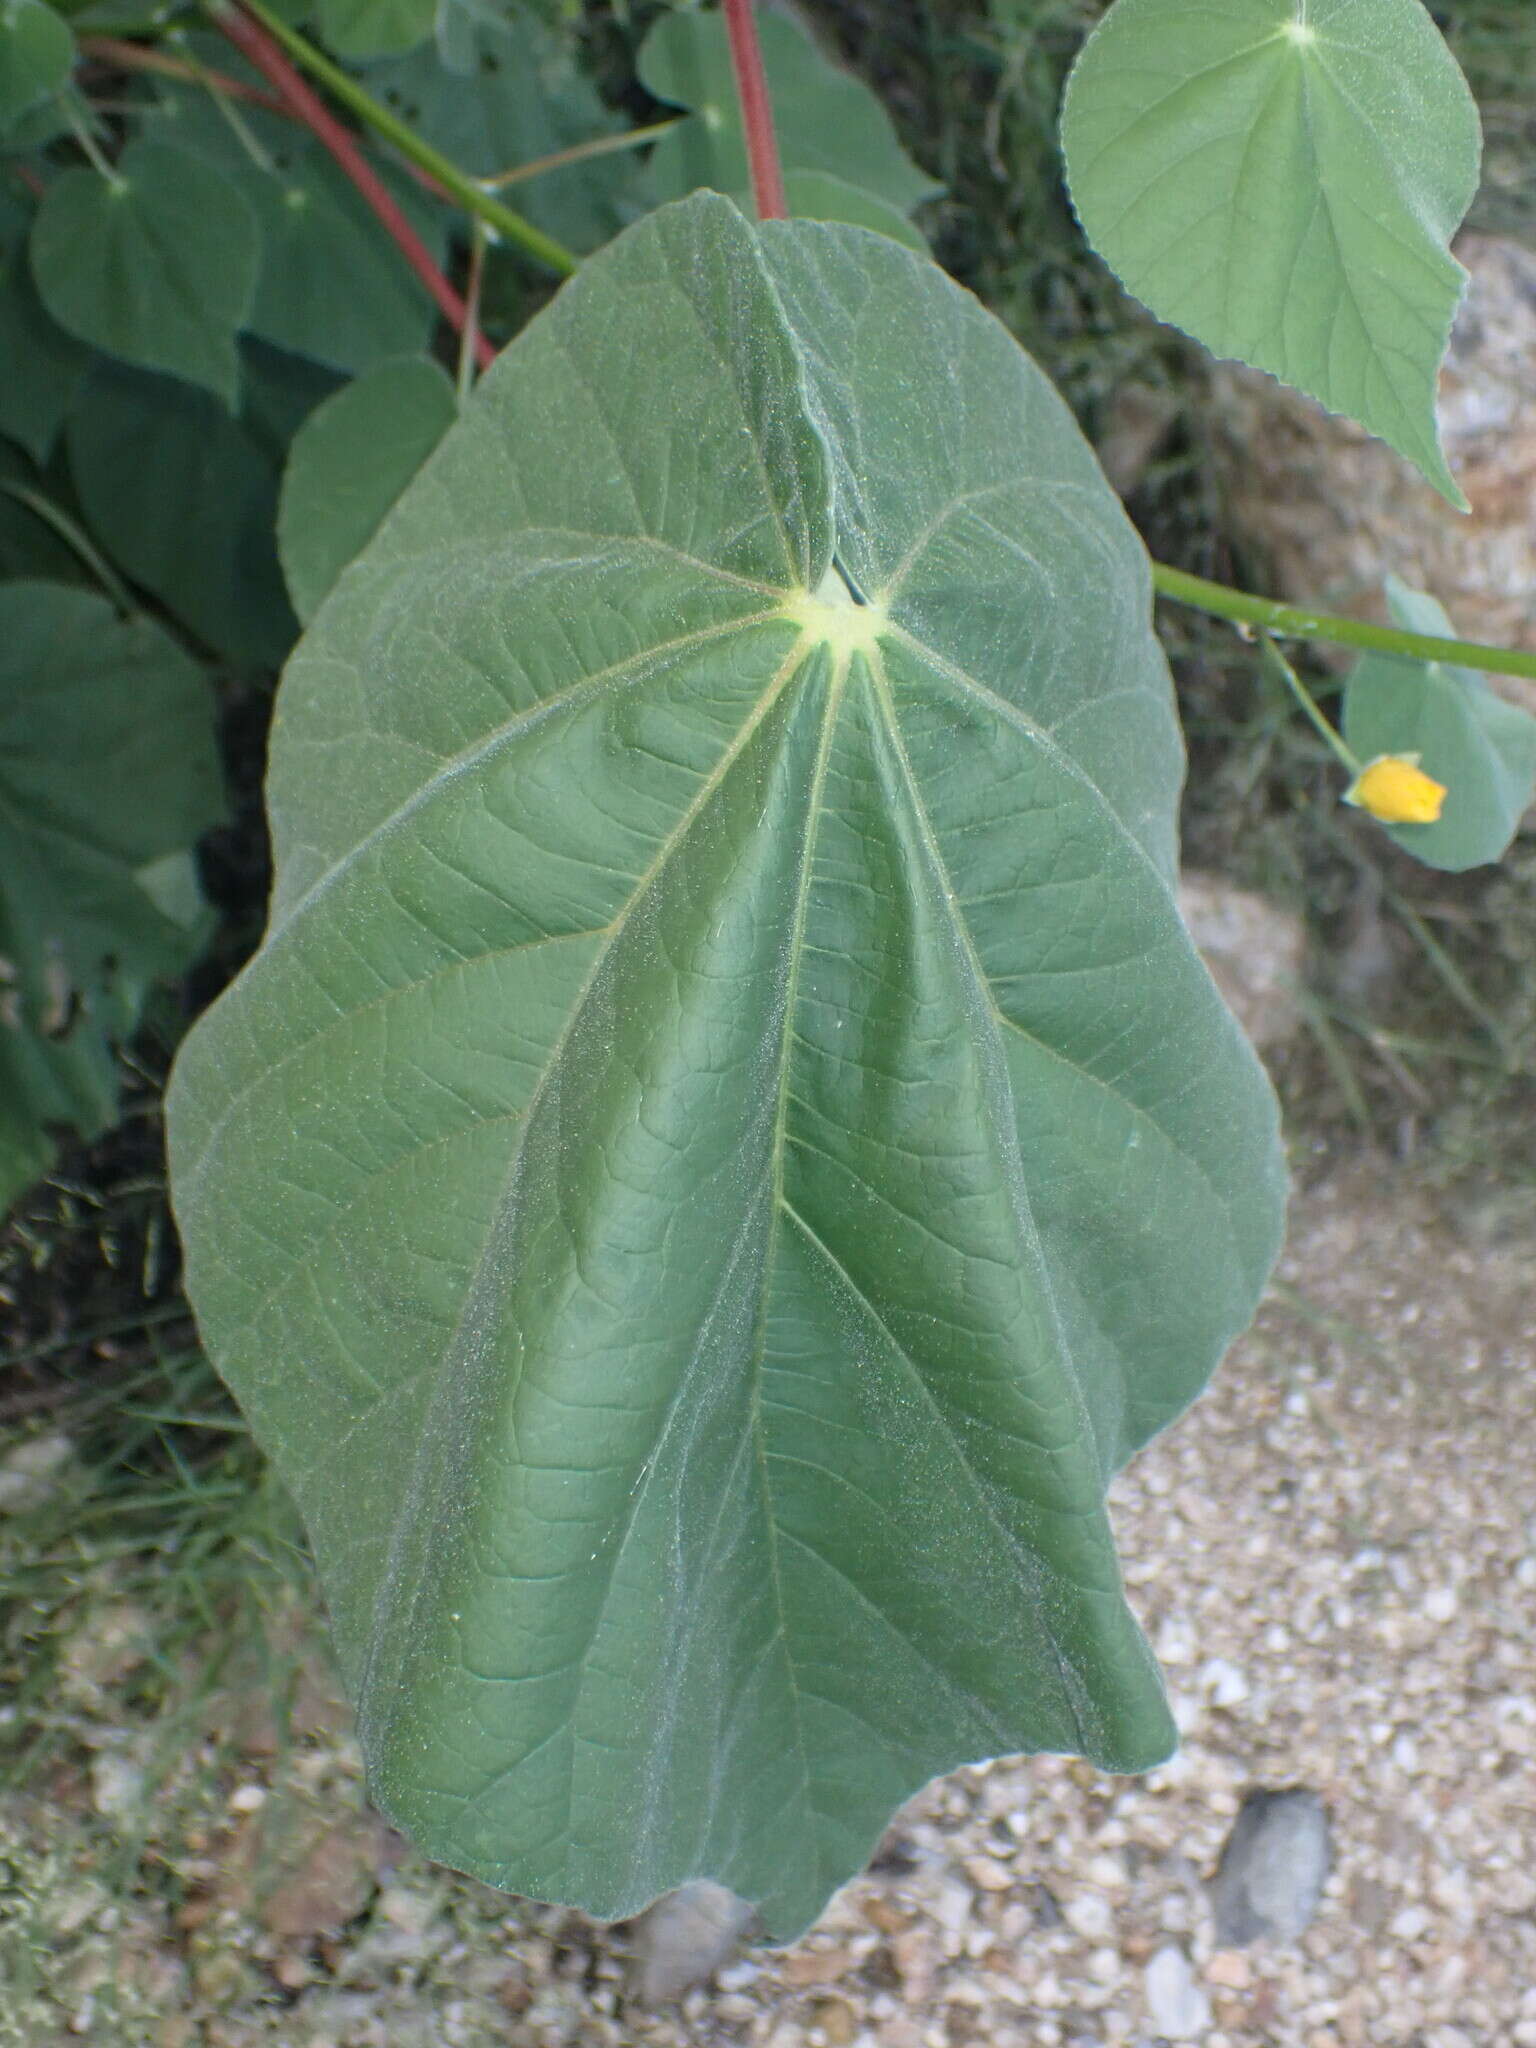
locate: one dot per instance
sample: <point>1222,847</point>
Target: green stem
<point>471,195</point>
<point>65,527</point>
<point>581,153</point>
<point>1293,622</point>
<point>1276,665</point>
<point>87,142</point>
<point>240,128</point>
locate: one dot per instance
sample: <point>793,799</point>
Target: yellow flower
<point>1396,790</point>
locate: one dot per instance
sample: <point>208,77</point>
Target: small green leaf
<point>37,53</point>
<point>1479,746</point>
<point>817,195</point>
<point>156,265</point>
<point>726,1144</point>
<point>184,501</point>
<point>376,28</point>
<point>1281,178</point>
<point>108,771</point>
<point>825,119</point>
<point>350,461</point>
<point>501,90</point>
<point>42,364</point>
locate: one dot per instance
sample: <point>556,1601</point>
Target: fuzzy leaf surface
<point>1281,179</point>
<point>726,1144</point>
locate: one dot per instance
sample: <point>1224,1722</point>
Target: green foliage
<point>1482,749</point>
<point>826,121</point>
<point>499,90</point>
<point>727,1144</point>
<point>36,53</point>
<point>107,775</point>
<point>376,28</point>
<point>43,364</point>
<point>315,232</point>
<point>156,264</point>
<point>185,501</point>
<point>349,462</point>
<point>1282,179</point>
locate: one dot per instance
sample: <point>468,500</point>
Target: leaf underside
<point>1281,179</point>
<point>726,1145</point>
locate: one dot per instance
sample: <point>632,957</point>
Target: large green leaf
<point>37,52</point>
<point>184,500</point>
<point>156,264</point>
<point>1281,178</point>
<point>1481,749</point>
<point>824,118</point>
<point>726,1144</point>
<point>349,462</point>
<point>108,773</point>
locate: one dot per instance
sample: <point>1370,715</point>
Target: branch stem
<point>249,35</point>
<point>469,192</point>
<point>756,111</point>
<point>1293,622</point>
<point>1277,666</point>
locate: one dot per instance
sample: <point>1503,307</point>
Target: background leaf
<point>817,195</point>
<point>1481,748</point>
<point>1281,178</point>
<point>726,1143</point>
<point>184,501</point>
<point>375,28</point>
<point>37,53</point>
<point>825,119</point>
<point>499,90</point>
<point>350,461</point>
<point>29,545</point>
<point>157,266</point>
<point>108,772</point>
<point>43,364</point>
<point>331,284</point>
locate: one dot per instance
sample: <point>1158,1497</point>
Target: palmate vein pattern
<point>726,1145</point>
<point>1281,179</point>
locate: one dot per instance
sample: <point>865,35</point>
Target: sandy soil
<point>1335,1554</point>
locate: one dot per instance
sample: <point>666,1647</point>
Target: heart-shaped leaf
<point>156,264</point>
<point>1481,749</point>
<point>726,1144</point>
<point>1281,178</point>
<point>350,460</point>
<point>825,119</point>
<point>108,772</point>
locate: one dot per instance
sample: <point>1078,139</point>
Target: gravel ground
<point>1335,1554</point>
